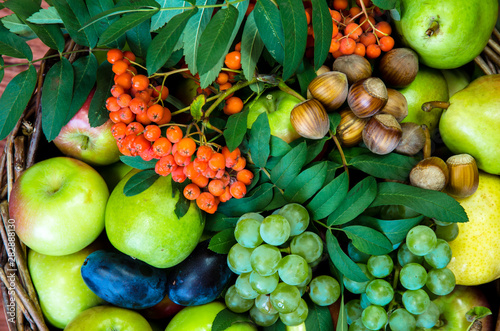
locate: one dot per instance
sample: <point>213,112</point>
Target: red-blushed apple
<point>106,318</point>
<point>164,309</point>
<point>95,146</point>
<point>58,206</point>
<point>59,285</point>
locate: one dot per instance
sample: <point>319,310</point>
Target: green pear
<point>472,121</point>
<point>447,34</point>
<point>113,173</point>
<point>457,79</point>
<point>476,249</point>
<point>146,227</point>
<point>429,85</point>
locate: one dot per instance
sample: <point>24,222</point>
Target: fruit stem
<point>285,88</point>
<point>227,92</point>
<point>432,29</point>
<point>428,106</point>
<point>427,144</point>
<point>344,161</point>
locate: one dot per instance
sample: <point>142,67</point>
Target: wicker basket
<point>21,306</point>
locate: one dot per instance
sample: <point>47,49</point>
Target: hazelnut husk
<point>398,67</point>
<point>310,120</point>
<point>322,70</point>
<point>464,175</point>
<point>396,105</point>
<point>431,173</point>
<point>412,140</point>
<point>355,67</point>
<point>350,128</point>
<point>330,89</point>
<point>382,134</point>
<point>367,97</point>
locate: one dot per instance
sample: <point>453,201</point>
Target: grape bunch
<point>418,271</point>
<point>270,285</point>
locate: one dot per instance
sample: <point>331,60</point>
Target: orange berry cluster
<point>353,31</point>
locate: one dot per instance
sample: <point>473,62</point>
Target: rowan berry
<point>200,165</point>
<point>204,153</point>
<point>209,173</point>
<point>190,171</point>
<point>178,174</point>
<point>216,187</point>
<point>237,47</point>
<point>308,12</point>
<point>367,3</point>
<point>353,30</point>
<point>119,130</point>
<point>141,143</point>
<point>137,106</point>
<point>115,117</point>
<point>373,51</point>
<point>334,46</point>
<point>119,67</point>
<point>181,160</point>
<point>205,201</point>
<point>162,167</point>
<point>226,195</point>
<point>174,148</point>
<point>336,16</point>
<point>383,29</point>
<point>192,191</point>
<point>220,173</point>
<point>169,162</point>
<point>114,55</point>
<point>160,91</point>
<point>186,147</point>
<point>366,23</point>
<point>201,181</point>
<point>226,179</point>
<point>233,60</point>
<point>148,154</point>
<point>117,90</point>
<point>354,11</point>
<point>126,115</point>
<point>129,55</point>
<point>340,4</point>
<point>368,38</point>
<point>174,134</point>
<point>360,49</point>
<point>337,54</point>
<point>238,189</point>
<point>245,176</point>
<point>140,82</point>
<point>240,164</point>
<point>123,100</point>
<point>212,209</point>
<point>143,118</point>
<point>162,146</point>
<point>112,104</point>
<point>152,132</point>
<point>225,86</point>
<point>233,106</point>
<point>217,162</point>
<point>347,46</point>
<point>124,80</point>
<point>222,78</point>
<point>167,116</point>
<point>132,71</point>
<point>129,144</point>
<point>155,113</point>
<point>386,43</point>
<point>230,157</point>
<point>135,128</point>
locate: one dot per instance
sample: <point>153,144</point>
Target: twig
<point>19,159</point>
<point>492,55</point>
<point>483,65</point>
<point>491,65</point>
<point>5,301</point>
<point>496,33</point>
<point>37,130</point>
<point>494,46</point>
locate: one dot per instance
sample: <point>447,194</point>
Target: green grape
<point>358,325</point>
<point>402,320</point>
<point>358,287</point>
<point>364,301</point>
<point>356,255</point>
<point>374,317</point>
<point>244,288</point>
<point>308,279</point>
<point>448,233</point>
<point>275,230</point>
<point>380,266</point>
<point>413,276</point>
<point>263,303</point>
<point>263,319</point>
<point>308,245</point>
<point>247,233</point>
<point>235,302</point>
<point>405,256</point>
<point>353,310</point>
<point>285,298</point>
<point>421,240</point>
<point>297,316</point>
<point>324,290</point>
<point>440,256</point>
<point>441,223</point>
<point>293,269</point>
<point>379,292</point>
<point>429,318</point>
<point>441,281</point>
<point>315,263</point>
<point>255,216</point>
<point>265,259</point>
<point>297,215</point>
<point>264,284</point>
<point>416,301</point>
<point>238,259</point>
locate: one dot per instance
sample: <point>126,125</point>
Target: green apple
<point>472,121</point>
<point>429,85</point>
<point>95,146</point>
<point>58,206</point>
<point>278,105</point>
<point>113,173</point>
<point>447,34</point>
<point>60,286</point>
<point>146,227</point>
<point>457,79</point>
<point>106,318</point>
<point>200,318</point>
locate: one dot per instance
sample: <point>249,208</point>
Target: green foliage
<point>223,241</point>
<point>260,133</point>
<point>140,182</point>
<point>85,69</point>
<point>98,113</point>
<point>235,129</point>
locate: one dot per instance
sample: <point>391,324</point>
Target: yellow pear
<point>476,250</point>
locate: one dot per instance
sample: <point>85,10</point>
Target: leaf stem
<point>168,73</point>
<point>203,6</point>
<point>285,88</point>
<point>323,224</point>
<point>227,92</point>
<point>189,107</point>
<point>337,143</point>
<point>50,57</point>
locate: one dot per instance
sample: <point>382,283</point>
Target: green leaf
<point>356,201</point>
<point>329,197</point>
<point>268,21</point>
<point>334,121</point>
<point>331,171</point>
<point>196,107</point>
<point>74,14</point>
<point>279,147</point>
<point>96,7</point>
<point>322,24</point>
<point>218,221</point>
<point>289,166</point>
<point>260,133</point>
<point>251,47</point>
<point>137,162</point>
<point>222,242</point>
<point>307,183</point>
<point>430,203</point>
<point>162,17</point>
<point>85,69</point>
<point>15,98</point>
<point>215,38</point>
<point>236,128</point>
<point>56,98</point>
<point>183,204</point>
<point>192,34</point>
<point>368,240</point>
<point>140,182</point>
<point>226,318</point>
<point>163,44</point>
<point>342,319</point>
<point>341,261</point>
<point>13,45</point>
<point>390,166</point>
<point>127,22</point>
<point>98,114</point>
<point>278,200</point>
<point>477,313</point>
<point>277,326</point>
<point>318,317</point>
<point>394,230</point>
<point>293,17</point>
<point>305,77</point>
<point>349,154</point>
<point>255,201</point>
<point>46,16</point>
<point>139,38</point>
<point>2,71</point>
<point>16,26</point>
<point>314,147</point>
<point>385,4</point>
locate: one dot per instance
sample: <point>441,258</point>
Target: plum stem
<point>433,28</point>
<point>428,106</point>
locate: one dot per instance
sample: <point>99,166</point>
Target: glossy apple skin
<point>95,146</point>
<point>58,206</point>
<point>164,309</point>
<point>123,281</point>
<point>200,278</point>
<point>59,285</point>
<point>106,318</point>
